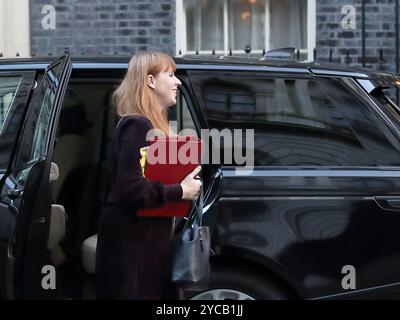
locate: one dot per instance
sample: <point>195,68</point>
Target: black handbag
<point>191,251</point>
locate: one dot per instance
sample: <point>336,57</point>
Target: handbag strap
<point>200,213</point>
<point>197,210</point>
<point>201,204</point>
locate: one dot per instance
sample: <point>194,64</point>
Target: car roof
<point>204,62</point>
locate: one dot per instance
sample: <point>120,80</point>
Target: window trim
<point>314,171</point>
<point>181,32</point>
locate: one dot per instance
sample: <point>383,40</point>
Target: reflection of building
<point>109,27</point>
<point>7,89</point>
<point>272,100</point>
<point>296,122</point>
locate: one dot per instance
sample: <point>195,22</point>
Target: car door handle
<point>15,193</point>
<point>218,173</point>
<point>388,203</point>
<point>40,220</point>
<point>212,194</point>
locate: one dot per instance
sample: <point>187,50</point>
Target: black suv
<point>318,217</point>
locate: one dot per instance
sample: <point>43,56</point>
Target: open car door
<point>26,271</point>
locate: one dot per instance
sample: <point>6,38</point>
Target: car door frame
<point>17,110</point>
<point>31,202</point>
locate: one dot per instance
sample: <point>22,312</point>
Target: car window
<point>35,142</point>
<point>8,88</point>
<point>36,132</point>
<point>181,114</point>
<point>385,98</point>
<point>38,145</point>
<point>39,141</point>
<point>296,122</point>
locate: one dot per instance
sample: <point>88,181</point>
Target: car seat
<point>57,225</point>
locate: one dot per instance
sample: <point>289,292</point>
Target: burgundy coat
<point>132,257</point>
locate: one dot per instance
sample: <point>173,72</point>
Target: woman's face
<point>165,87</point>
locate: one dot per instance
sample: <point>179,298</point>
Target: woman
<point>133,252</point>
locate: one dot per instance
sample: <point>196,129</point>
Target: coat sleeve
<point>131,186</point>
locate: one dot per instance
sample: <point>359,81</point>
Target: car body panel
<point>303,225</point>
<point>315,222</point>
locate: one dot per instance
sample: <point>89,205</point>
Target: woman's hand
<point>191,186</point>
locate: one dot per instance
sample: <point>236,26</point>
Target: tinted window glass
<point>181,114</point>
<point>34,142</point>
<point>384,99</point>
<point>8,88</point>
<point>369,128</point>
<point>296,122</point>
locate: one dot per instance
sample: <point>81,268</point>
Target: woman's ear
<point>151,81</point>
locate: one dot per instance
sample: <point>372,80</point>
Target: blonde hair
<point>134,97</point>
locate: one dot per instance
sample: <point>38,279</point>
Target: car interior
<point>80,157</point>
<point>79,173</point>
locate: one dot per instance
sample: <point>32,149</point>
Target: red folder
<point>169,160</point>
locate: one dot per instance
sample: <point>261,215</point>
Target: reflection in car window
<point>33,144</point>
<point>296,122</point>
<point>181,114</point>
<point>39,142</point>
<point>8,88</point>
<point>370,129</point>
<point>384,98</point>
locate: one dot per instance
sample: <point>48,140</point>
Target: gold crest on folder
<point>143,157</point>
